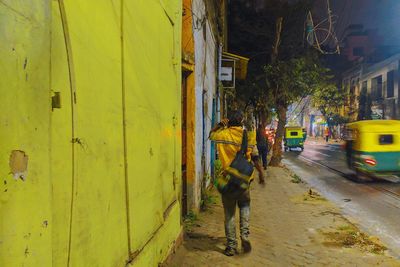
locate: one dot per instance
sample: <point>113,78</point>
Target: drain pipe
<point>218,105</point>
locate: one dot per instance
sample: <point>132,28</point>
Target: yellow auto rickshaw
<point>293,138</point>
<point>373,149</point>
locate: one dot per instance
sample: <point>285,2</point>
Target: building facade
<point>372,90</point>
<point>380,81</point>
<point>200,43</point>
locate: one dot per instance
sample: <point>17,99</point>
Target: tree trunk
<point>277,42</point>
<point>263,118</point>
<point>281,108</point>
<point>280,131</point>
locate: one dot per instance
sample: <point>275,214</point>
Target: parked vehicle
<point>294,138</point>
<point>373,149</point>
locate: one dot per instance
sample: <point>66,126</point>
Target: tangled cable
<point>313,33</point>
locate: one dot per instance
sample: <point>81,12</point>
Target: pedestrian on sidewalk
<point>327,133</point>
<point>255,156</point>
<point>262,144</point>
<point>228,136</point>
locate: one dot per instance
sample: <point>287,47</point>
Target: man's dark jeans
<point>263,152</point>
<point>229,202</point>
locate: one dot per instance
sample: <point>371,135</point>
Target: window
<point>390,84</point>
<point>385,139</point>
<point>358,51</point>
<point>294,133</point>
<point>376,87</point>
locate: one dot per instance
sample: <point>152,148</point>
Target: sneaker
<point>230,251</point>
<point>246,245</point>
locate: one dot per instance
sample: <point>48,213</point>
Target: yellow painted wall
<point>103,180</point>
<point>25,205</point>
<point>152,116</point>
<point>193,197</point>
<point>61,147</point>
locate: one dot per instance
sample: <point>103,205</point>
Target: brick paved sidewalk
<point>289,227</point>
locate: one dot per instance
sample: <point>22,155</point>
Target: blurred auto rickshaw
<point>373,149</point>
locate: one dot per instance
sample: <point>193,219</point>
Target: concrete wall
<point>205,88</point>
<point>92,178</point>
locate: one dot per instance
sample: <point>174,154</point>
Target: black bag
<point>239,174</point>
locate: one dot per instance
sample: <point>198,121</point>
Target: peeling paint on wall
<point>19,164</point>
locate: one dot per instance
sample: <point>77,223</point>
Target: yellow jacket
<point>229,141</point>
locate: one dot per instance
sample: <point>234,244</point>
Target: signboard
<point>227,75</point>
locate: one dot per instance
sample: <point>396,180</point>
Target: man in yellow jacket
<point>228,136</point>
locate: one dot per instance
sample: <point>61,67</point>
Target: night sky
<point>383,15</point>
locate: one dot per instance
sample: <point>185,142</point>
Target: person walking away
<point>255,158</point>
<point>262,144</point>
<point>326,134</point>
<point>228,136</point>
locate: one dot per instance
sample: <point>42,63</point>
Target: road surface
<point>375,206</point>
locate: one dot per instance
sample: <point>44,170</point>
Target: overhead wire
<point>313,36</point>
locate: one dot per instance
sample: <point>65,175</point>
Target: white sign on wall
<point>227,74</point>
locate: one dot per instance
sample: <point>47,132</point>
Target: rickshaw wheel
<point>362,177</point>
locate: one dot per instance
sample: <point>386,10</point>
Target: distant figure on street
<point>228,136</point>
<point>327,133</point>
<point>255,157</point>
<point>262,144</point>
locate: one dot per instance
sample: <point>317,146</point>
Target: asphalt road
<point>374,206</point>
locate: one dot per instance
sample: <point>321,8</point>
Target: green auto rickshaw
<point>294,138</point>
<point>373,149</point>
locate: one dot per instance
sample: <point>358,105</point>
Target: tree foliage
<point>291,80</point>
<point>282,68</point>
<point>296,78</point>
<point>328,100</point>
